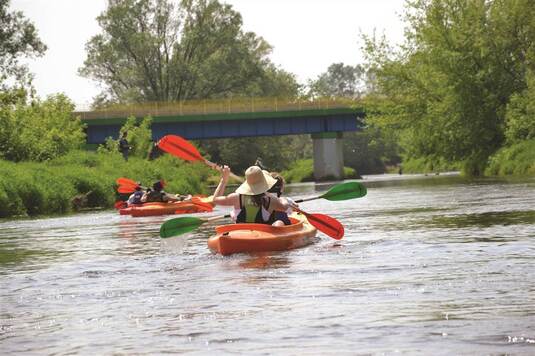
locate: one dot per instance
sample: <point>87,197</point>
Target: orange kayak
<point>157,208</point>
<point>237,238</point>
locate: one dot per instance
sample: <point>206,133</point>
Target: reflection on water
<point>264,260</point>
<point>429,265</point>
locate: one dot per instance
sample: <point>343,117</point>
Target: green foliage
<point>39,131</point>
<point>277,152</point>
<point>520,115</point>
<point>159,50</point>
<point>429,164</point>
<point>339,81</point>
<point>31,188</point>
<point>18,38</point>
<point>518,159</point>
<point>110,146</point>
<point>450,83</point>
<point>370,150</point>
<point>139,136</point>
<point>303,171</point>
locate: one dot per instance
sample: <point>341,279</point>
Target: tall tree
<point>156,50</point>
<point>453,79</point>
<point>18,38</point>
<point>340,80</point>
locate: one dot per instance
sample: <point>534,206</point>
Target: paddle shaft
<point>218,167</point>
<point>214,218</point>
<point>182,148</point>
<point>307,199</point>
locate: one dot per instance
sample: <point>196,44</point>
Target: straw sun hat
<point>256,182</point>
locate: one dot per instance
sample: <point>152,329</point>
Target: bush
<point>517,159</point>
<point>429,165</point>
<point>31,188</point>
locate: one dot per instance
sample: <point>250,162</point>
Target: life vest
<point>155,196</point>
<point>250,213</point>
<point>136,197</point>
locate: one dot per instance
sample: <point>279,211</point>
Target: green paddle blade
<point>180,226</point>
<point>345,191</point>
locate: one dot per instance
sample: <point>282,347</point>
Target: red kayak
<point>160,208</point>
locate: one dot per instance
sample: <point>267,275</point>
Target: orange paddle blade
<point>125,181</point>
<point>202,203</point>
<point>180,147</point>
<point>125,189</point>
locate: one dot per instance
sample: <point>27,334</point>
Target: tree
<point>520,114</point>
<point>340,80</point>
<point>39,131</point>
<point>18,38</point>
<point>453,78</point>
<point>154,50</point>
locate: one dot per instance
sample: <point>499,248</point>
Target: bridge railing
<point>215,106</point>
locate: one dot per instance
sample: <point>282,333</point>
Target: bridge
<point>324,119</point>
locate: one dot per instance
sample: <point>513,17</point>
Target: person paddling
<point>251,202</point>
<point>157,194</point>
<point>277,189</point>
<point>135,197</point>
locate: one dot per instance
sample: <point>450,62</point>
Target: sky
<point>307,36</point>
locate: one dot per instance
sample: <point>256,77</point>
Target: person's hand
<point>291,203</point>
<point>225,172</point>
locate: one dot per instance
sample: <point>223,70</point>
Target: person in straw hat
<point>251,202</point>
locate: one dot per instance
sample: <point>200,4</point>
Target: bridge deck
<point>228,119</point>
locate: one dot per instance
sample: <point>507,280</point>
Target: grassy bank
<point>517,159</point>
<point>428,165</point>
<point>29,188</point>
<point>303,171</point>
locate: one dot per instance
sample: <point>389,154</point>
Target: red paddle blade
<point>125,189</point>
<point>125,181</point>
<point>120,205</point>
<point>326,224</point>
<point>179,147</point>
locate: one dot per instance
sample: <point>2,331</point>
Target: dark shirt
<point>123,145</point>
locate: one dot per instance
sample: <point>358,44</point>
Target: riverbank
<point>83,179</point>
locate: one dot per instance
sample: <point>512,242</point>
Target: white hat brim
<point>258,188</point>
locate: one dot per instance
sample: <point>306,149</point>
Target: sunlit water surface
<point>432,265</point>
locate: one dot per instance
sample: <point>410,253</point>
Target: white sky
<point>307,35</point>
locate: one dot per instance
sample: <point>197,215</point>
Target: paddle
<point>325,223</point>
<point>127,185</point>
<point>182,148</point>
<point>178,226</point>
<point>343,191</point>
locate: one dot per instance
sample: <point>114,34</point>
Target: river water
<point>428,265</point>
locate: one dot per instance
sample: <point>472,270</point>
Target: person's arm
<point>282,204</point>
<point>231,199</point>
<point>144,197</point>
<point>225,172</point>
<point>169,197</point>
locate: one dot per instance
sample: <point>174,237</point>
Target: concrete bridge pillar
<point>328,156</point>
